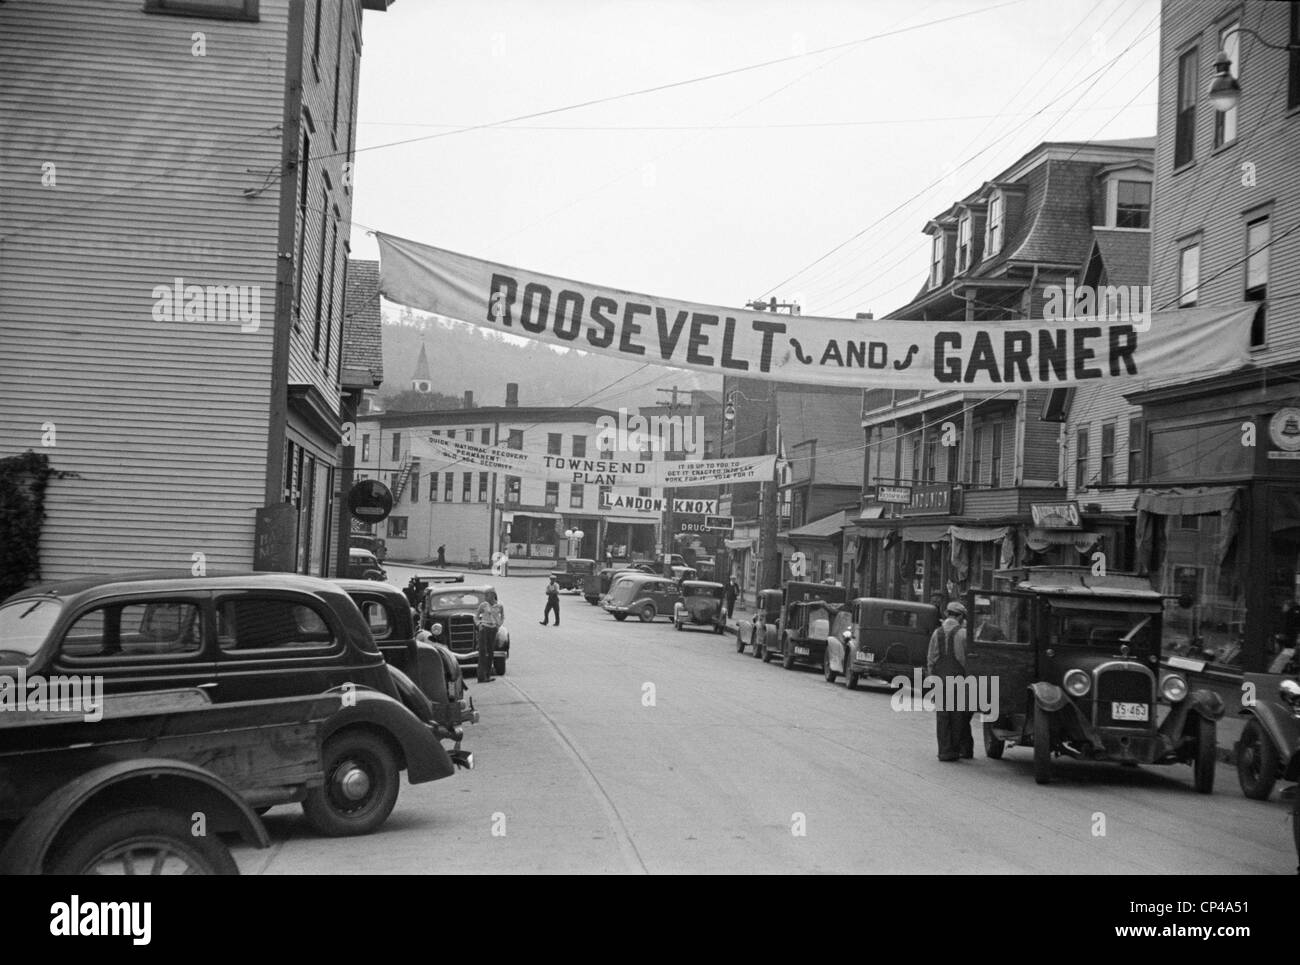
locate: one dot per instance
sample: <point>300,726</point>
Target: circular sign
<point>370,501</point>
<point>1284,428</point>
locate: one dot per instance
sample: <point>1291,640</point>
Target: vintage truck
<point>806,613</point>
<point>573,574</point>
<point>150,781</point>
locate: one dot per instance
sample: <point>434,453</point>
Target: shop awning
<point>1188,502</point>
<point>1039,539</point>
<point>878,532</point>
<point>738,544</point>
<point>979,534</point>
<point>925,534</point>
<point>870,512</point>
<point>635,520</point>
<point>825,528</point>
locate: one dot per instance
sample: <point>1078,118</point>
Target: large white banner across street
<point>1058,349</point>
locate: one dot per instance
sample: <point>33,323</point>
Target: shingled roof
<point>363,349</point>
<point>1125,254</point>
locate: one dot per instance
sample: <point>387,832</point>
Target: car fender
<point>1206,703</point>
<point>1278,725</point>
<point>178,785</point>
<point>413,699</point>
<point>422,755</point>
<point>1048,696</point>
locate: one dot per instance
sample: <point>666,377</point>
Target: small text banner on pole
<point>1059,349</point>
<point>617,473</point>
<point>719,522</point>
<point>894,494</point>
<point>1056,515</point>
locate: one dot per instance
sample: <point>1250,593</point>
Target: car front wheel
<point>620,617</point>
<point>361,784</point>
<point>827,672</point>
<point>1257,762</point>
<point>144,841</point>
<point>787,654</point>
<point>647,613</point>
<point>499,666</point>
<point>993,747</point>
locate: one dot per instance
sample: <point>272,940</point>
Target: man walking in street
<point>488,619</point>
<point>946,659</point>
<point>552,603</point>
<point>733,591</point>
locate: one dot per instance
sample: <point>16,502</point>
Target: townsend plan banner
<point>1061,349</point>
<point>603,472</point>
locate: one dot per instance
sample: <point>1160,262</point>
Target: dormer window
<point>963,244</point>
<point>936,260</point>
<point>993,227</point>
<point>1132,204</point>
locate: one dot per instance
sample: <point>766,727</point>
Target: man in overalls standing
<point>487,620</point>
<point>946,658</point>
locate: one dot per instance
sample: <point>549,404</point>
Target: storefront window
<point>1212,627</point>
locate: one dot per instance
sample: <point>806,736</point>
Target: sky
<point>809,179</point>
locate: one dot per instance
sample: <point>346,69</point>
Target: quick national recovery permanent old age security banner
<point>887,353</point>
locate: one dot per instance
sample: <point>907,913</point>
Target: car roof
<point>709,584</point>
<point>155,581</point>
<point>370,585</point>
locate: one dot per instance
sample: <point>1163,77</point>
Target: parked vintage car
<point>802,629</point>
<point>362,565</point>
<point>645,594</point>
<point>595,588</point>
<point>447,613</point>
<point>237,637</point>
<point>1269,746</point>
<point>374,544</point>
<point>428,668</point>
<point>702,604</point>
<point>1077,668</point>
<point>758,629</point>
<point>680,573</point>
<point>878,639</point>
<point>573,574</point>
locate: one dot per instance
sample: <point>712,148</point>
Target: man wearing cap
<point>946,658</point>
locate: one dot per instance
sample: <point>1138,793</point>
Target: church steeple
<point>422,381</point>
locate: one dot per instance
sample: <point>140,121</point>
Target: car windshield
<point>444,601</point>
<point>1102,628</point>
<point>712,592</point>
<point>24,625</point>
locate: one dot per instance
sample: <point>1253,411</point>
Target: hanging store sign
<point>1056,515</point>
<point>901,495</point>
<point>618,473</point>
<point>885,353</point>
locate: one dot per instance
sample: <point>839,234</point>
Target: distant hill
<point>468,357</point>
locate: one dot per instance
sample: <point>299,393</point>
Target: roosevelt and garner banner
<point>1115,337</point>
<point>616,473</point>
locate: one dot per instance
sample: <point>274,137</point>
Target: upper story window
<point>963,244</point>
<point>579,447</point>
<point>1189,69</point>
<point>936,260</point>
<point>553,443</point>
<point>995,456</point>
<point>1293,79</point>
<point>1132,204</point>
<point>211,9</point>
<point>1225,122</point>
<point>397,445</point>
<point>365,447</point>
<point>485,437</point>
<point>1189,275</point>
<point>1136,450</point>
<point>516,439</point>
<point>1081,460</point>
<point>993,227</point>
<point>1258,233</point>
<point>1107,454</point>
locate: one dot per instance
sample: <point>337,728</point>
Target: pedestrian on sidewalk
<point>552,603</point>
<point>946,659</point>
<point>488,619</point>
<point>733,591</point>
<point>442,555</point>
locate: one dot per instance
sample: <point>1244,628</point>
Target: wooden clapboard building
<point>173,257</point>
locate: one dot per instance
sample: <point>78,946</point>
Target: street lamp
<point>1224,90</point>
<point>574,536</point>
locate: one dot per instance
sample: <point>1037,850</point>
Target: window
<point>553,443</point>
<point>397,445</point>
<point>552,495</point>
<point>482,487</point>
<point>1189,68</point>
<point>448,486</point>
<point>1225,122</point>
<point>252,623</point>
<point>952,464</point>
<point>209,9</point>
<point>1081,460</point>
<point>467,487</point>
<point>415,487</point>
<point>315,46</point>
<point>643,491</point>
<point>329,298</point>
<point>376,615</point>
<point>166,628</point>
<point>575,496</point>
<point>580,447</point>
<point>993,227</point>
<point>602,497</point>
<point>995,457</point>
<point>304,182</point>
<point>512,489</point>
<point>977,445</point>
<point>397,527</point>
<point>485,437</point>
<point>516,439</point>
<point>1257,240</point>
<point>1136,453</point>
<point>433,487</point>
<point>352,99</point>
<point>1107,454</point>
<point>365,447</point>
<point>320,271</point>
<point>963,244</point>
<point>1132,204</point>
<point>338,69</point>
<point>931,457</point>
<point>1293,86</point>
<point>915,474</point>
<point>936,260</point>
<point>1189,275</point>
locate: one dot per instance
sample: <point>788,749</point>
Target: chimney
<point>512,395</point>
<point>469,399</point>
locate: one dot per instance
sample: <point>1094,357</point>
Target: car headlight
<point>1076,682</point>
<point>436,629</point>
<point>1173,688</point>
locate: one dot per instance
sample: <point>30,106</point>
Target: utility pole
<point>669,520</point>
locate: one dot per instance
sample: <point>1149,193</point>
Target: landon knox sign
<point>616,473</point>
<point>889,353</point>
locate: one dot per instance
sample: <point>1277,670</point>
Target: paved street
<point>576,774</point>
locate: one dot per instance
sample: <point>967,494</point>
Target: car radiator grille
<point>1127,685</point>
<point>460,634</point>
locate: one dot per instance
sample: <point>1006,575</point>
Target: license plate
<point>1122,711</point>
<point>867,657</point>
<point>801,651</point>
